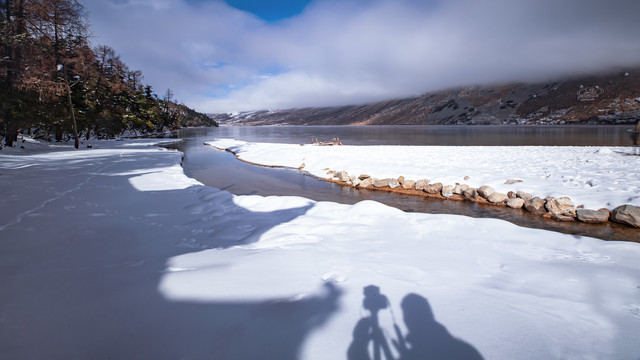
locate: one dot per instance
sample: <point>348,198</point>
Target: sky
<point>239,55</point>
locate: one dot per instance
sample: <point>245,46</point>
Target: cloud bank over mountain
<point>217,58</point>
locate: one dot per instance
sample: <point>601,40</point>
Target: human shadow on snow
<point>81,279</point>
<point>425,339</point>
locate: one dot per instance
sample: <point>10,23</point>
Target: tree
<point>60,27</point>
<point>53,81</point>
<point>170,113</point>
<point>13,39</point>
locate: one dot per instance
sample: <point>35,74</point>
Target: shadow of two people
<point>426,338</point>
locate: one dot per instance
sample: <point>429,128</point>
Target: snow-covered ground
<point>596,177</point>
<point>112,252</point>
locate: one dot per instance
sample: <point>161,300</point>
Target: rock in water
<point>408,184</point>
<point>381,182</point>
<point>447,191</point>
<point>460,188</point>
<point>562,218</point>
<point>497,198</point>
<point>535,205</point>
<point>515,203</point>
<point>470,193</point>
<point>485,191</point>
<point>342,176</point>
<point>421,184</point>
<point>627,214</point>
<point>561,206</point>
<point>366,182</point>
<point>593,216</point>
<point>433,188</point>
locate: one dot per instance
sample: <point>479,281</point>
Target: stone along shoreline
<point>560,209</point>
<point>592,173</point>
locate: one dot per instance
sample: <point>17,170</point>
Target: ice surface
<point>112,252</point>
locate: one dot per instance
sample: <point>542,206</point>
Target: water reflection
<point>493,135</point>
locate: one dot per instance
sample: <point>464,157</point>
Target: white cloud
<point>340,52</point>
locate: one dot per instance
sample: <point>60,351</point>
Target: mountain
<point>611,98</point>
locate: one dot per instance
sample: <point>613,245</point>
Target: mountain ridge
<point>609,98</point>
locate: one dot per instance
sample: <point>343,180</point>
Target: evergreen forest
<point>55,84</point>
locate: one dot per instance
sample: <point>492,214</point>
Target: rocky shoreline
<point>559,209</point>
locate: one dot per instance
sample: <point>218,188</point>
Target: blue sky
<point>238,55</point>
<point>270,10</point>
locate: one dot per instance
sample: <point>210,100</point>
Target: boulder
<point>560,217</point>
<point>535,205</point>
<point>366,182</point>
<point>513,181</point>
<point>470,193</point>
<point>485,191</point>
<point>497,198</point>
<point>459,188</point>
<point>408,184</point>
<point>511,195</point>
<point>524,195</point>
<point>593,216</point>
<point>355,181</point>
<point>627,214</point>
<point>342,176</point>
<point>432,188</point>
<point>401,179</point>
<point>364,176</point>
<point>381,182</point>
<point>561,206</point>
<point>420,184</point>
<point>394,183</point>
<point>515,203</point>
<point>447,191</point>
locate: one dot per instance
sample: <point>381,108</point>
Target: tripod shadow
<point>368,329</point>
<point>426,338</point>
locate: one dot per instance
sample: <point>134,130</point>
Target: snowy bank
<point>112,252</point>
<point>591,176</point>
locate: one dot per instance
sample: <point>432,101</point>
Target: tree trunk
<point>10,131</point>
<point>73,116</point>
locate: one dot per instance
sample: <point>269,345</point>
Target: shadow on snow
<point>80,274</point>
<point>425,339</point>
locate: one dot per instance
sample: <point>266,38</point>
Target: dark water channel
<point>222,170</point>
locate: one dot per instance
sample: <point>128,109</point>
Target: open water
<point>222,170</point>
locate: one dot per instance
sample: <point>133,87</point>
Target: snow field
<point>113,251</point>
<point>591,176</point>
